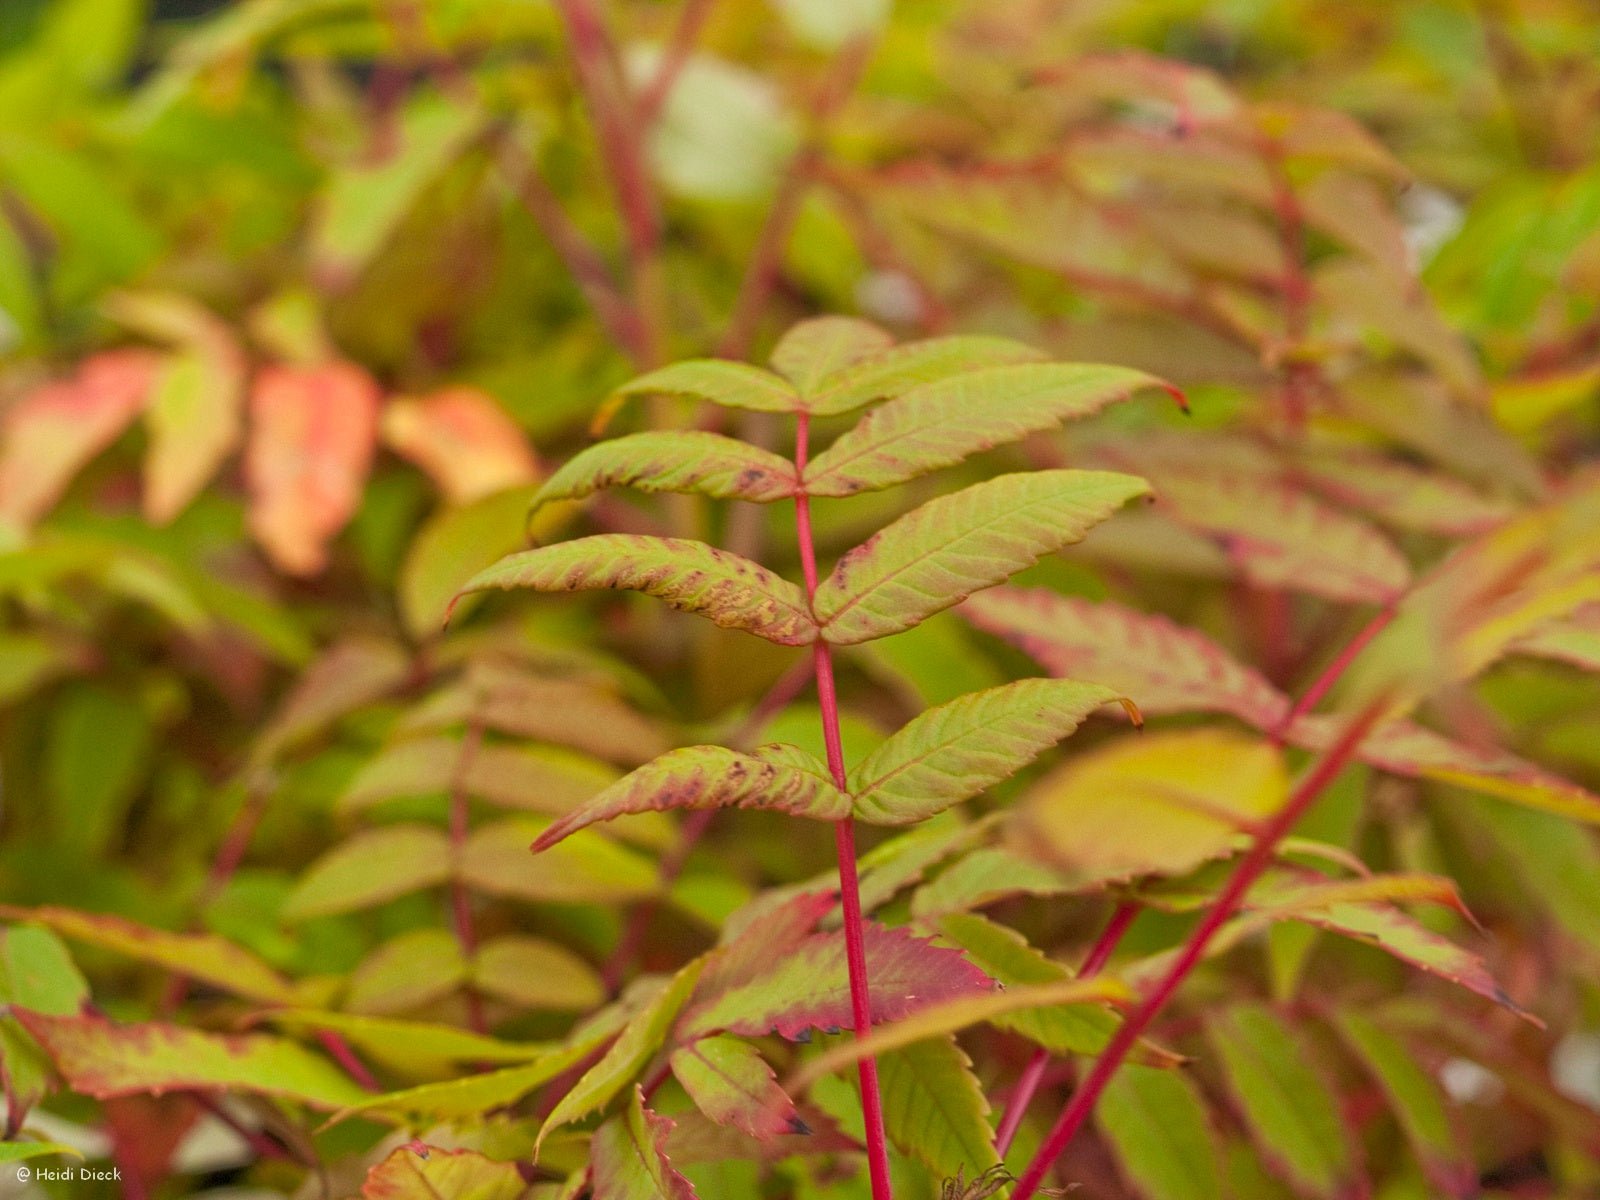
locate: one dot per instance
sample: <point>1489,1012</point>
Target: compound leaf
<point>939,554</point>
<point>955,751</point>
<point>690,576</point>
<point>904,367</point>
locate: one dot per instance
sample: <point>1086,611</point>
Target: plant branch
<point>1099,954</point>
<point>1335,670</point>
<point>677,54</point>
<point>460,898</point>
<point>844,843</point>
<point>1256,860</point>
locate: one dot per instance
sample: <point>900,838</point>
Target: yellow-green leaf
<point>937,555</point>
<point>1160,802</point>
<point>370,868</point>
<point>939,424</point>
<point>934,1109</point>
<point>1155,1123</point>
<point>688,575</point>
<point>673,461</point>
<point>780,779</point>
<point>953,752</point>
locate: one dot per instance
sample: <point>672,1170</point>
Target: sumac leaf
<point>904,367</point>
<point>373,867</point>
<point>953,752</point>
<point>808,986</point>
<point>814,350</point>
<point>418,1172</point>
<point>1289,1111</point>
<point>690,576</point>
<point>463,439</point>
<point>939,554</point>
<point>712,777</point>
<point>312,431</point>
<point>731,1083</point>
<point>939,424</point>
<point>673,461</point>
<point>1155,1124</point>
<point>630,1160</point>
<point>1165,667</point>
<point>102,1058</point>
<point>638,1042</point>
<point>721,381</point>
<point>49,435</point>
<point>1160,802</point>
<point>934,1109</point>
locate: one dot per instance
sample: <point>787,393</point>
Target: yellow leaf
<point>1154,802</point>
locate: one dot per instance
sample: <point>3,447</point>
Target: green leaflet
<point>1155,1123</point>
<point>673,461</point>
<point>374,866</point>
<point>11,1152</point>
<point>590,871</point>
<point>629,1160</point>
<point>731,384</point>
<point>941,423</point>
<point>953,752</point>
<point>1414,1097</point>
<point>934,1109</point>
<point>690,576</point>
<point>937,555</point>
<point>813,351</point>
<point>1005,954</point>
<point>102,1058</point>
<point>904,367</point>
<point>778,778</point>
<point>1288,1109</point>
<point>732,1084</point>
<point>638,1042</point>
<point>203,957</point>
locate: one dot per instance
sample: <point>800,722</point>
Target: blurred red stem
<point>844,843</point>
<point>460,897</point>
<point>1336,669</point>
<point>1256,860</point>
<point>1099,954</point>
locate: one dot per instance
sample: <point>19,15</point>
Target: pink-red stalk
<point>1335,670</point>
<point>1256,860</point>
<point>845,843</point>
<point>1099,954</point>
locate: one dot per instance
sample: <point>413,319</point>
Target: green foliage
<point>312,316</point>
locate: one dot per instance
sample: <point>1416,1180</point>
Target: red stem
<point>1256,860</point>
<point>1099,954</point>
<point>460,897</point>
<point>676,56</point>
<point>1335,670</point>
<point>845,843</point>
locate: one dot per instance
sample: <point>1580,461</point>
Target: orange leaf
<point>49,435</point>
<point>311,441</point>
<point>463,439</point>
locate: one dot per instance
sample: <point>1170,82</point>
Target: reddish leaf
<point>46,437</point>
<point>101,1058</point>
<point>419,1172</point>
<point>463,439</point>
<point>630,1160</point>
<point>776,778</point>
<point>808,987</point>
<point>690,576</point>
<point>1162,666</point>
<point>732,1084</point>
<point>311,442</point>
